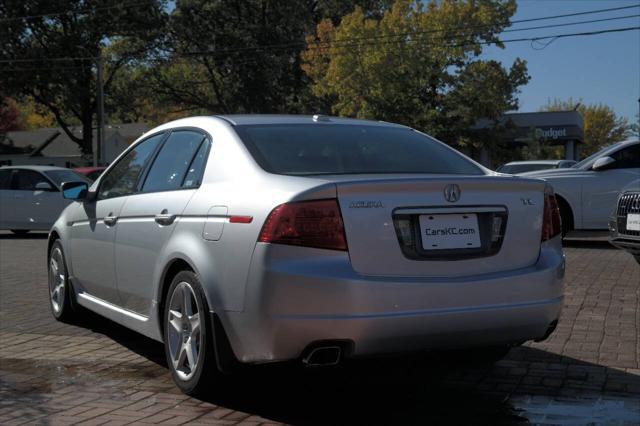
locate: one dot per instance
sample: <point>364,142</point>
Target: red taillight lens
<point>306,223</point>
<point>551,222</point>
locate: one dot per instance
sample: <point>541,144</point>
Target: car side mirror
<point>75,190</point>
<point>43,186</point>
<point>602,163</point>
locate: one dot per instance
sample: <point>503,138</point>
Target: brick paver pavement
<point>97,372</point>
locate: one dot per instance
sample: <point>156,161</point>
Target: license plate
<point>633,222</point>
<point>449,231</point>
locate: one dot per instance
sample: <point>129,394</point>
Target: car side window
<point>26,180</point>
<point>193,178</point>
<point>627,158</point>
<point>173,161</point>
<point>5,179</point>
<point>123,178</point>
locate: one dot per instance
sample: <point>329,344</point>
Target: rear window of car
<point>60,176</point>
<point>314,149</point>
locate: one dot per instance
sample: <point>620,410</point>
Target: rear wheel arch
<point>225,357</point>
<point>53,237</point>
<point>172,269</point>
<point>566,213</point>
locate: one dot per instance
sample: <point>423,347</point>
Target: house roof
<point>38,142</point>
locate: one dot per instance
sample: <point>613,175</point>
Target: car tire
<point>20,231</point>
<point>188,335</point>
<point>566,218</point>
<point>61,295</point>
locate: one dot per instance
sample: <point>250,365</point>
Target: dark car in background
<point>91,173</point>
<point>516,167</point>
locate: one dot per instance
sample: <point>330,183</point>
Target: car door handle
<point>165,218</point>
<point>110,220</point>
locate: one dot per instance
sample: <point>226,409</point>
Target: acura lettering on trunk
<point>249,239</point>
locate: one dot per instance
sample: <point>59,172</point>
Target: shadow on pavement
<point>529,385</point>
<point>588,244</point>
<point>6,235</point>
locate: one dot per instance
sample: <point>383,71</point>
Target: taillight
<point>551,222</point>
<point>315,223</point>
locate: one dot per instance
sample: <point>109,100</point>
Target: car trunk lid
<point>406,227</point>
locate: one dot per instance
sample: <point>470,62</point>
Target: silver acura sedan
<point>252,239</point>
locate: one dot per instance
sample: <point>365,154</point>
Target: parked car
<point>91,173</point>
<point>516,167</point>
<point>252,239</point>
<point>624,225</point>
<point>30,197</point>
<point>586,191</point>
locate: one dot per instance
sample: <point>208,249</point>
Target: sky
<point>597,69</point>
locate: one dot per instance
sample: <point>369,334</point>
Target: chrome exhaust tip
<point>323,356</point>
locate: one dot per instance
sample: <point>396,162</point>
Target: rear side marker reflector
<point>551,221</point>
<point>240,219</point>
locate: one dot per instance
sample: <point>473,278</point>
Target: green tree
<point>417,64</point>
<point>48,50</point>
<point>9,116</point>
<point>231,56</point>
<point>602,126</point>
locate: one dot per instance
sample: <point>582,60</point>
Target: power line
<point>525,20</point>
<point>503,41</point>
<point>66,58</point>
<point>79,12</point>
<point>348,41</point>
<point>566,15</point>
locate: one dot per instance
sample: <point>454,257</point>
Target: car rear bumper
<point>630,244</point>
<point>298,297</point>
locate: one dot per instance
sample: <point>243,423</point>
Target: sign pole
<point>98,156</point>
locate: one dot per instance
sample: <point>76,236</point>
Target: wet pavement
<point>96,372</point>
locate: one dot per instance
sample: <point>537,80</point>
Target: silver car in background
<point>517,167</point>
<point>253,239</point>
<point>624,224</point>
<point>30,196</point>
<point>587,190</point>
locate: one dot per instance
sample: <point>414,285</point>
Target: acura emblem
<point>452,193</point>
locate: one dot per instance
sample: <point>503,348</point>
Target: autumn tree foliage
<point>417,64</point>
<point>602,126</point>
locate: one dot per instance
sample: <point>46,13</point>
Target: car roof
<point>257,119</point>
<point>35,168</point>
<point>88,169</point>
<point>514,163</point>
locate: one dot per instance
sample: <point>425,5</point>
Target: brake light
<point>551,222</point>
<point>315,223</point>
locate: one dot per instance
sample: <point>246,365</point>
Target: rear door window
<point>194,175</point>
<point>26,180</point>
<point>5,179</point>
<point>173,162</point>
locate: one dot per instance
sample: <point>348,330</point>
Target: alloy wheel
<point>57,280</point>
<point>183,330</point>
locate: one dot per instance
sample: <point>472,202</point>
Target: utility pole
<point>98,154</point>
